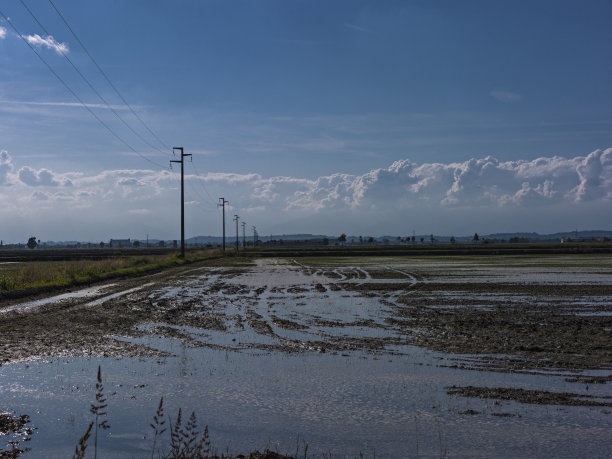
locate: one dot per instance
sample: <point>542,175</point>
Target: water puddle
<point>84,293</point>
<point>117,295</point>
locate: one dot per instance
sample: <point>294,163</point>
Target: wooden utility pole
<point>182,197</point>
<point>222,204</point>
<point>236,218</point>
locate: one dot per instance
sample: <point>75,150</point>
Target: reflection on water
<point>391,401</point>
<point>345,405</point>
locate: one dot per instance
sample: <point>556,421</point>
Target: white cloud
<point>40,196</point>
<point>2,32</point>
<point>48,42</point>
<point>508,97</point>
<point>455,195</point>
<point>6,166</point>
<point>43,177</point>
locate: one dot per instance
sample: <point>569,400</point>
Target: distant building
<point>119,243</point>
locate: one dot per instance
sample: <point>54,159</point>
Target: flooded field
<point>394,357</point>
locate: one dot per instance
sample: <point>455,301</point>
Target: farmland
<point>394,356</point>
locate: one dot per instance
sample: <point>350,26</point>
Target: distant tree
<point>325,241</point>
<point>432,238</point>
<point>101,244</point>
<point>413,239</point>
<point>422,240</point>
<point>136,244</point>
<point>161,244</point>
<point>361,239</point>
<point>370,240</point>
<point>342,238</point>
<point>399,239</point>
<point>32,243</point>
<point>476,237</point>
<point>452,240</point>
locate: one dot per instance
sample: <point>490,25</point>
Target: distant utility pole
<point>236,218</point>
<point>243,235</point>
<point>254,235</point>
<point>222,204</point>
<point>182,197</point>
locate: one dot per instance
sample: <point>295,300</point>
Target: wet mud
<point>501,325</point>
<point>18,432</point>
<point>535,397</point>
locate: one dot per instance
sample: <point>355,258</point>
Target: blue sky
<point>297,112</point>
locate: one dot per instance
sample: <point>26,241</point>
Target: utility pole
<point>222,204</point>
<point>182,197</point>
<point>236,218</point>
<point>254,236</point>
<point>243,235</point>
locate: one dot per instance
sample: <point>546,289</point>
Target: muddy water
<point>338,355</point>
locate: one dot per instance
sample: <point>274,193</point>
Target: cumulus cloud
<point>43,177</point>
<point>47,42</point>
<point>2,32</point>
<point>477,182</point>
<point>508,97</point>
<point>147,201</point>
<point>131,181</point>
<point>40,196</point>
<point>6,166</point>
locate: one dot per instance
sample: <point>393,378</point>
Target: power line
<point>200,197</point>
<point>105,76</point>
<point>91,85</point>
<point>117,136</point>
<point>201,183</point>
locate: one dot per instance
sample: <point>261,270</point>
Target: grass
<point>35,276</point>
<point>186,439</point>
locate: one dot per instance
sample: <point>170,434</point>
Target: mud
<point>377,308</point>
<point>549,344</point>
<point>534,397</point>
<point>16,428</point>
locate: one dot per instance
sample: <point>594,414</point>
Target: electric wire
<point>199,196</point>
<point>117,136</point>
<point>105,76</point>
<point>200,181</point>
<point>84,78</point>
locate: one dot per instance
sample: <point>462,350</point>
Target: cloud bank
<point>538,194</point>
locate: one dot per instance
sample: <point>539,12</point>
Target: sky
<point>363,117</point>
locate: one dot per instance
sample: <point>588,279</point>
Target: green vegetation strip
<point>23,279</point>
